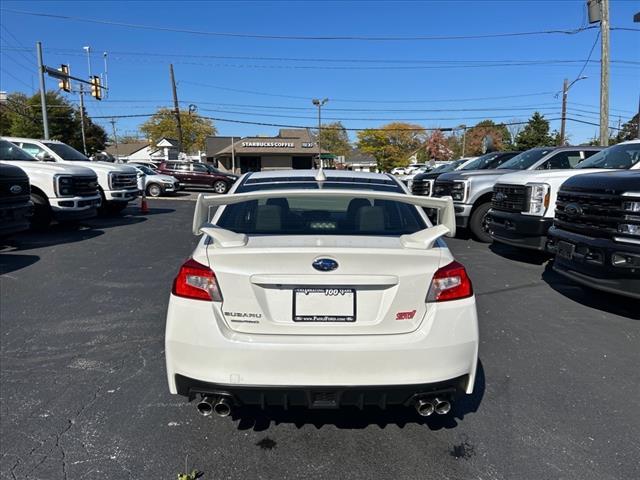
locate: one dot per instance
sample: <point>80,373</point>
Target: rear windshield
<point>622,156</point>
<point>66,152</point>
<point>526,159</point>
<point>8,151</point>
<point>322,215</point>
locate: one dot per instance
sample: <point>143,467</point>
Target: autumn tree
<point>535,133</point>
<point>392,144</point>
<point>437,148</point>
<point>195,129</point>
<point>486,128</point>
<point>334,139</point>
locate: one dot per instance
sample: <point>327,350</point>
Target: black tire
<point>478,223</point>
<point>154,190</point>
<point>41,217</point>
<point>220,186</point>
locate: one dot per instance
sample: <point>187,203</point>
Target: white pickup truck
<point>522,205</point>
<point>66,193</point>
<point>118,184</point>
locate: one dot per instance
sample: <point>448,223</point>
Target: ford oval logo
<point>500,197</point>
<point>15,189</point>
<point>325,264</point>
<point>573,209</point>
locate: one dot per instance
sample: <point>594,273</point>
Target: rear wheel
<point>478,223</point>
<point>154,190</point>
<point>220,187</point>
<point>41,217</point>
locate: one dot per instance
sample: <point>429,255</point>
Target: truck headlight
<point>459,191</point>
<point>538,195</point>
<point>63,185</point>
<point>110,180</point>
<point>629,229</point>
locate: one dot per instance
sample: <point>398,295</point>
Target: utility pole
<point>175,104</point>
<point>604,73</point>
<point>115,135</point>
<point>84,140</point>
<point>319,103</point>
<point>565,91</point>
<point>233,156</point>
<point>464,138</point>
<point>43,98</point>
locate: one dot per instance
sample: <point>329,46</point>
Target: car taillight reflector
<point>450,282</point>
<point>196,281</point>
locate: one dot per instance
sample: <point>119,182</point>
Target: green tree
<point>392,144</point>
<point>22,117</point>
<point>195,129</point>
<point>334,139</point>
<point>629,131</point>
<point>535,133</point>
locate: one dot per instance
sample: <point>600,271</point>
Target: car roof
<point>293,175</point>
<point>24,139</point>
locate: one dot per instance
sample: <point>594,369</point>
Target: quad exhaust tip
<point>424,407</point>
<point>442,406</point>
<point>222,408</point>
<point>218,405</point>
<point>205,406</point>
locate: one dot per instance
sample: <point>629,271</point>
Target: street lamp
<point>565,90</point>
<point>319,103</point>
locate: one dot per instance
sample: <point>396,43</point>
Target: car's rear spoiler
<point>422,239</point>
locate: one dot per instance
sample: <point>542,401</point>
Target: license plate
<point>565,250</point>
<point>324,305</point>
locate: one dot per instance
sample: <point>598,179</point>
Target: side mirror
<point>44,157</point>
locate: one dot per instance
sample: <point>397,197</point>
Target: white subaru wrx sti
<point>321,289</point>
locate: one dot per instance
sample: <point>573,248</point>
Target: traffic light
<point>64,83</point>
<point>96,89</point>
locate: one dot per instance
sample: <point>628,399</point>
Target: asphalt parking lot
<point>84,394</point>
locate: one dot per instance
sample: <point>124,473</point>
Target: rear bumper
<point>15,217</point>
<point>321,397</point>
<point>519,230</point>
<point>591,264</point>
<point>200,347</point>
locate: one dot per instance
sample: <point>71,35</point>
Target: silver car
<point>156,184</point>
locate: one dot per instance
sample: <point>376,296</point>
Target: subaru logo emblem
<point>573,209</point>
<point>325,264</point>
<point>15,189</point>
<point>500,197</point>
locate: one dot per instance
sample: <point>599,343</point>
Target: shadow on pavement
<point>57,234</point>
<point>532,257</point>
<point>250,418</point>
<point>604,301</point>
<point>10,263</point>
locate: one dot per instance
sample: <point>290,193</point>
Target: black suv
<point>15,203</point>
<point>596,232</point>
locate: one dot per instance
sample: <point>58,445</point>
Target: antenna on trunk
<point>320,176</point>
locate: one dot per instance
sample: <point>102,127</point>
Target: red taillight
<point>450,282</point>
<point>196,281</point>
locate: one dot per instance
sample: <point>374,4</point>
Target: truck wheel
<point>220,187</point>
<point>41,217</point>
<point>478,223</point>
<point>154,190</point>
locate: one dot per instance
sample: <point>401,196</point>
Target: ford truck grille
<point>421,187</point>
<point>442,188</point>
<point>85,186</point>
<point>124,181</point>
<point>509,198</point>
<point>595,214</point>
<point>14,190</point>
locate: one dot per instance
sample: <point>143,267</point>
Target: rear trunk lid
<point>270,285</point>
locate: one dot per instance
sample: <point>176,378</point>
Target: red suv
<point>198,175</point>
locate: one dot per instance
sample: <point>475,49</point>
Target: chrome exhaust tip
<point>424,407</point>
<point>222,407</point>
<point>442,406</point>
<point>205,406</point>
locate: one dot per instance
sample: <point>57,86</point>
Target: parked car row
<point>594,230</point>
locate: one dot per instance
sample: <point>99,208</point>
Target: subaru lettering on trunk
<point>305,281</point>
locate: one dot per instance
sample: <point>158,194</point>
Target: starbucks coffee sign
<point>268,144</point>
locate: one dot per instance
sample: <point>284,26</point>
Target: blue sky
<point>360,97</point>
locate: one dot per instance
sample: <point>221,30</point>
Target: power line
<point>376,38</point>
<point>595,42</point>
<point>29,60</point>
<point>30,87</point>
<point>17,62</point>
